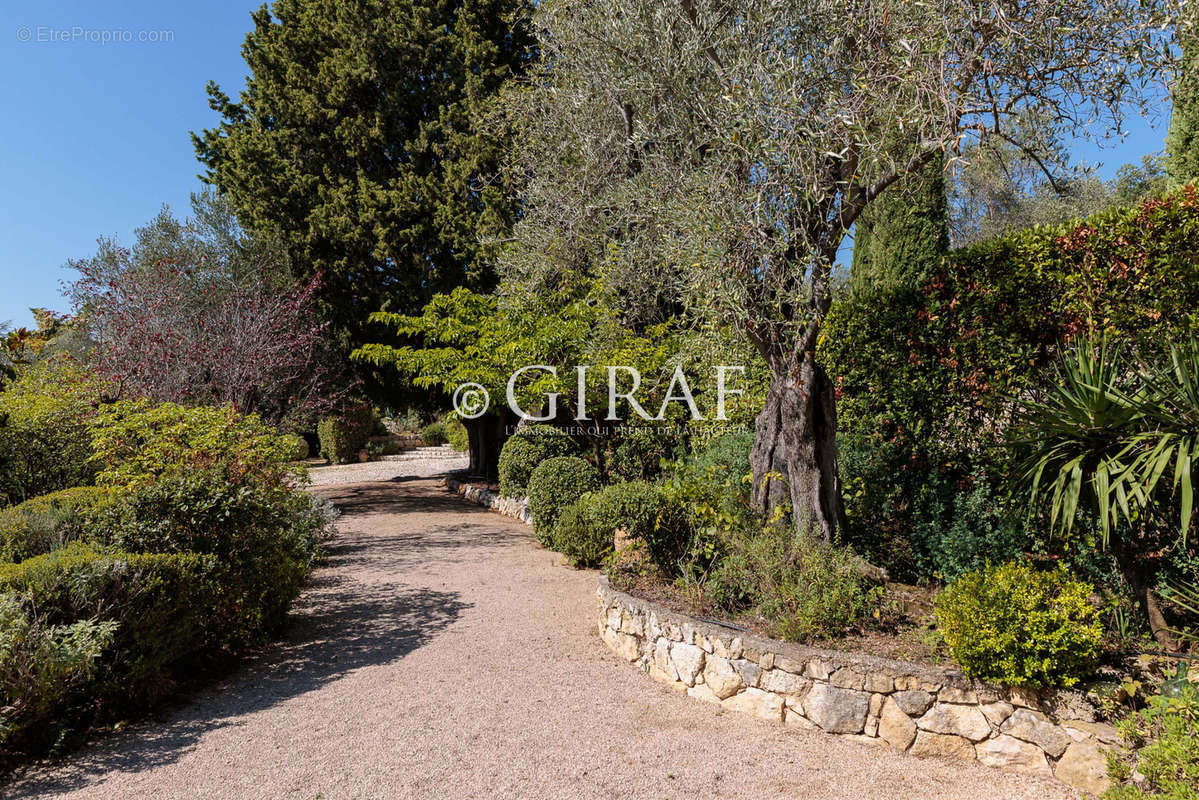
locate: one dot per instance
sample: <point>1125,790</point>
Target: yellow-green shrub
<point>1020,626</point>
<point>44,441</point>
<point>138,442</point>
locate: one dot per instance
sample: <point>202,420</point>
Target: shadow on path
<point>340,624</point>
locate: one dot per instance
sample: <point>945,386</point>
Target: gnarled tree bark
<point>794,457</point>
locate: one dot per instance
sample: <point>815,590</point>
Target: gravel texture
<point>441,654</point>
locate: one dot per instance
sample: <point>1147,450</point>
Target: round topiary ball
<point>555,484</point>
<point>526,449</point>
<point>1021,626</point>
<point>582,534</point>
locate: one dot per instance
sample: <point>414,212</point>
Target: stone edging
<point>515,507</point>
<point>916,708</point>
<point>919,709</point>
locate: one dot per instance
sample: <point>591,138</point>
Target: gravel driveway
<point>441,654</point>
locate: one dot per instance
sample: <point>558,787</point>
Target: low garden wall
<point>517,508</point>
<point>918,709</point>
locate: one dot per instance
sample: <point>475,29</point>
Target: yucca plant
<point>1168,440</point>
<point>1079,439</point>
<point>1103,439</point>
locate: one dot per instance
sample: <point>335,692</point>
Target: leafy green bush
<point>526,449</point>
<point>44,441</point>
<point>434,433</point>
<point>48,522</point>
<point>805,588</point>
<point>980,526</point>
<point>649,514</point>
<point>1163,742</point>
<point>582,534</point>
<point>1020,626</point>
<point>555,484</point>
<point>264,538</point>
<point>343,436</point>
<point>639,454</point>
<point>160,604</point>
<point>456,433</point>
<point>42,666</point>
<point>138,442</point>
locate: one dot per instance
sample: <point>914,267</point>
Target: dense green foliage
<point>803,591</point>
<point>50,521</point>
<point>434,433</point>
<point>41,665</point>
<point>137,442</point>
<point>455,433</point>
<point>554,485</point>
<point>344,435</point>
<point>154,607</point>
<point>1182,142</point>
<point>360,139</point>
<point>44,440</point>
<point>900,239</point>
<point>1164,743</point>
<point>525,450</point>
<point>649,514</point>
<point>583,533</point>
<point>264,538</point>
<point>1016,625</point>
<point>926,376</point>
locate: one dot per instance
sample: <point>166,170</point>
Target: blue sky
<point>96,134</point>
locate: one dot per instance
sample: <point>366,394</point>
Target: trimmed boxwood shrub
<point>434,434</point>
<point>264,538</point>
<point>555,484</point>
<point>647,513</point>
<point>49,522</point>
<point>456,433</point>
<point>526,449</point>
<point>1020,626</point>
<point>344,436</point>
<point>582,533</point>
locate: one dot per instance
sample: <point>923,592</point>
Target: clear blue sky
<point>95,138</point>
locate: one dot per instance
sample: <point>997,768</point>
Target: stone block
<point>895,726</point>
<point>688,660</point>
<point>765,705</point>
<point>947,718</point>
<point>913,702</point>
<point>836,710</point>
<point>938,744</point>
<point>1032,726</point>
<point>1009,752</point>
<point>1084,766</point>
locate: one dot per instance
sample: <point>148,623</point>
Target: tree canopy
<point>357,142</point>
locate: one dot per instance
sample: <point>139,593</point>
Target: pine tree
<point>358,142</point>
<point>1182,142</point>
<point>902,236</point>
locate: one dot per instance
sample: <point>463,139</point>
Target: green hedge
<point>1016,625</point>
<point>554,485</point>
<point>160,604</point>
<point>345,435</point>
<point>524,450</point>
<point>50,521</point>
<point>925,375</point>
<point>264,538</point>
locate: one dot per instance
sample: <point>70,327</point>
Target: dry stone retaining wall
<point>919,709</point>
<point>915,708</point>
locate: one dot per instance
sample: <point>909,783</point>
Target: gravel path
<point>441,654</point>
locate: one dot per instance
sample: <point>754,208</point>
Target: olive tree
<point>714,153</point>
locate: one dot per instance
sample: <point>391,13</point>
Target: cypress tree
<point>1182,142</point>
<point>901,237</point>
<point>358,142</point>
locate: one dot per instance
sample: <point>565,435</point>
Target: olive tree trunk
<point>794,457</point>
